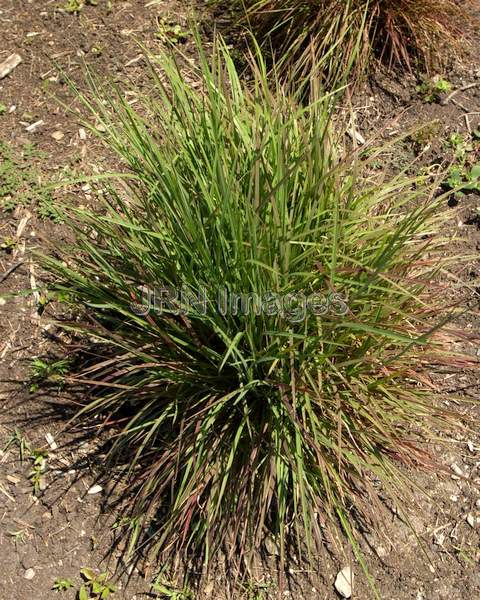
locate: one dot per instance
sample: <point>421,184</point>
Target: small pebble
<point>29,574</point>
<point>439,538</point>
<point>58,135</point>
<point>344,582</point>
<point>456,469</point>
<point>471,520</point>
<point>271,547</point>
<point>95,489</point>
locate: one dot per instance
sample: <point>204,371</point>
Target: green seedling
<point>52,372</point>
<point>169,32</point>
<point>63,585</point>
<point>3,109</point>
<point>19,440</point>
<point>431,90</point>
<point>36,475</point>
<point>96,586</point>
<point>20,180</point>
<point>467,554</point>
<point>463,179</point>
<point>19,535</point>
<point>30,149</point>
<point>170,591</point>
<point>73,6</point>
<point>460,145</point>
<point>8,244</point>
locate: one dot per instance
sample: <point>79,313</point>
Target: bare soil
<point>55,533</point>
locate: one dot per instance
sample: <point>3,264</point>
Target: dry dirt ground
<point>62,528</point>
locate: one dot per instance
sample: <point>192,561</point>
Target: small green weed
<point>463,180</point>
<point>469,555</point>
<point>52,372</point>
<point>171,32</point>
<point>20,181</point>
<point>74,7</point>
<point>461,145</point>
<point>19,535</point>
<point>170,591</point>
<point>464,174</point>
<point>96,586</point>
<point>37,455</point>
<point>3,109</point>
<point>8,244</point>
<point>36,475</point>
<point>18,439</point>
<point>431,90</point>
<point>62,585</point>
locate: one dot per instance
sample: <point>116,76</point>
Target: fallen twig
<point>457,103</point>
<point>455,92</point>
<point>9,271</point>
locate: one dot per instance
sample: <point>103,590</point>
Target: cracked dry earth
<point>62,528</point>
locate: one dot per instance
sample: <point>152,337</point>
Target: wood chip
<point>34,126</point>
<point>8,65</point>
<point>471,520</point>
<point>456,469</point>
<point>50,441</point>
<point>4,491</point>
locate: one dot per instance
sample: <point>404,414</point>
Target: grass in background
<point>230,426</point>
<point>336,34</point>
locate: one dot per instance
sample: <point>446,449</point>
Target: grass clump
<point>335,34</point>
<point>309,392</point>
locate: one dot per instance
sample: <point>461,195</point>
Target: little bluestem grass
<point>228,425</point>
